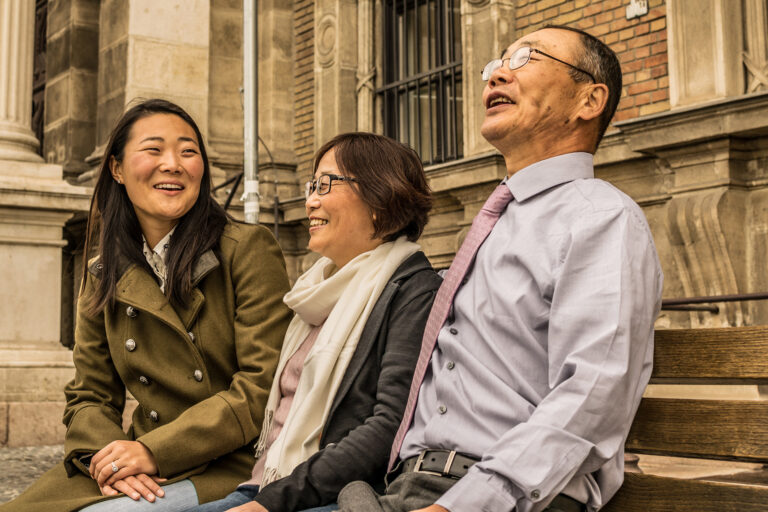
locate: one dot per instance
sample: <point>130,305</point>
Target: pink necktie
<point>481,226</point>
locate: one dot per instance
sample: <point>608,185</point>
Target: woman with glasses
<point>182,308</point>
<point>349,354</point>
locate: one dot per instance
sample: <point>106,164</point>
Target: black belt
<point>451,464</point>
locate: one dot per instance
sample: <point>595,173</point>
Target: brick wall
<point>640,43</point>
<point>304,32</point>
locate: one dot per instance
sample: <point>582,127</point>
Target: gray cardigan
<point>369,405</point>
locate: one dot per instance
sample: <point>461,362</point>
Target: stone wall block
<point>180,22</point>
<point>85,48</point>
<point>109,112</point>
<point>170,68</point>
<point>227,33</point>
<point>46,418</point>
<point>57,96</point>
<point>112,70</point>
<point>3,424</point>
<point>113,22</point>
<point>57,53</point>
<point>59,15</point>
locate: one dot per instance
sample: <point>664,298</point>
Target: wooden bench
<point>732,430</point>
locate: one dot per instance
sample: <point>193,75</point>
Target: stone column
<point>488,26</point>
<point>35,203</point>
<point>335,68</point>
<point>705,42</point>
<point>17,23</point>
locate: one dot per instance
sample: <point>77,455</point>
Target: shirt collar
<point>545,174</point>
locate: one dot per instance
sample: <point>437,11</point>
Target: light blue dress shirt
<point>541,365</point>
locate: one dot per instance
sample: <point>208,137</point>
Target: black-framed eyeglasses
<point>520,58</point>
<point>323,184</point>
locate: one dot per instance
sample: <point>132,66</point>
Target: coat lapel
<point>206,264</point>
<point>140,290</point>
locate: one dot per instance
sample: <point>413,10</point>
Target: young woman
<point>350,351</point>
<point>183,309</point>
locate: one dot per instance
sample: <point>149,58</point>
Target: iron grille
<point>421,95</point>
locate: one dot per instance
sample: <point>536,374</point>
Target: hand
<point>251,506</point>
<point>432,508</point>
<point>131,457</point>
<point>136,486</point>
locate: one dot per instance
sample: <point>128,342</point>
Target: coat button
<point>154,416</point>
<point>144,380</point>
<point>131,312</point>
<point>130,345</point>
<point>191,335</point>
<point>198,375</point>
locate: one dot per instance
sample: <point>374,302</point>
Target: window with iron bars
<point>420,97</point>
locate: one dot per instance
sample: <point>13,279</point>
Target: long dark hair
<point>113,222</point>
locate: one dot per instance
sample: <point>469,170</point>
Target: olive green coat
<point>200,373</point>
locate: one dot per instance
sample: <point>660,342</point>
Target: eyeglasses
<point>323,184</point>
<point>520,58</point>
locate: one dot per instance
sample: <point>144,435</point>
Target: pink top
<point>289,382</point>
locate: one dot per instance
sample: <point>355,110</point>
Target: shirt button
<point>154,416</point>
<point>535,494</point>
<point>130,345</point>
<point>198,375</point>
<point>191,335</point>
<point>451,365</point>
<point>131,312</point>
<point>442,409</point>
<point>144,380</point>
<point>453,331</point>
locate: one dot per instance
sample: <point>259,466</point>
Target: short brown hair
<point>390,180</point>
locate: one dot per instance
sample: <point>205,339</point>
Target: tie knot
<point>498,200</point>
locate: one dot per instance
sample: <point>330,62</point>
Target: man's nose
<point>501,75</point>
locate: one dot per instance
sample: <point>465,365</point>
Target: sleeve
<point>606,297</point>
<point>232,418</point>
<point>363,453</point>
<point>96,395</point>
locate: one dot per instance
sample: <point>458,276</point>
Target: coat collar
<point>137,288</point>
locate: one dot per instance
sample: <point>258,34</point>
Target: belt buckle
<point>446,469</point>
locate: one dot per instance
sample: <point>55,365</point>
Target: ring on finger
<point>115,469</point>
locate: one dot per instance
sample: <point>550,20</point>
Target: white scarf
<point>342,298</point>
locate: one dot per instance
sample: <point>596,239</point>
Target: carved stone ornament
<point>326,40</point>
<point>479,3</point>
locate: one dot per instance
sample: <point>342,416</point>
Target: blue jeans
<point>243,495</point>
<point>178,497</point>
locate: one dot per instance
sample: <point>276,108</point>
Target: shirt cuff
<point>479,491</point>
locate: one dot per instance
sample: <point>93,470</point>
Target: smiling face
<point>161,170</point>
<point>533,107</point>
<point>340,224</point>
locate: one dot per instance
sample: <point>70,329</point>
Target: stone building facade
<point>689,141</point>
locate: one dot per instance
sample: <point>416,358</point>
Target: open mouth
<point>498,99</point>
<point>168,186</point>
<point>313,223</point>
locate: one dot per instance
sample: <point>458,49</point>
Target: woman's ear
<point>115,169</point>
<point>594,102</point>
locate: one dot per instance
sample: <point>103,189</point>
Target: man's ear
<point>594,102</point>
<point>115,169</point>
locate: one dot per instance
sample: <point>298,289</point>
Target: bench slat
<point>711,355</point>
<point>648,493</point>
<point>731,430</point>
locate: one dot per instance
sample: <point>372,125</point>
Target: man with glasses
<point>539,344</point>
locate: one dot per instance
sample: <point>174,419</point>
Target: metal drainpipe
<point>250,196</point>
